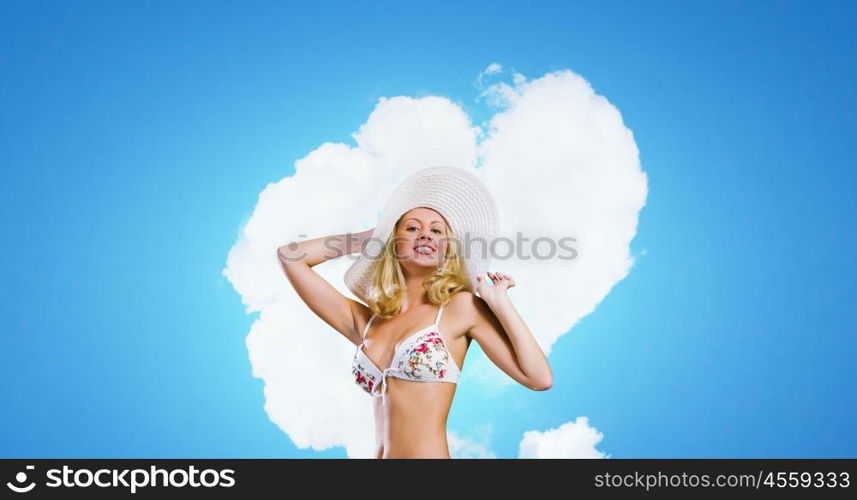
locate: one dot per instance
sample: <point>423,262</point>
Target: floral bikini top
<point>422,357</point>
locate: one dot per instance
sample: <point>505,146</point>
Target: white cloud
<point>493,68</point>
<point>467,447</point>
<point>573,439</point>
<point>558,159</point>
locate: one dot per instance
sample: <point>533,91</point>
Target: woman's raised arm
<point>297,260</point>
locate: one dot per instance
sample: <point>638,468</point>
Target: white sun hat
<point>459,196</point>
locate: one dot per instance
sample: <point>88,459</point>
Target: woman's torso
<point>410,418</point>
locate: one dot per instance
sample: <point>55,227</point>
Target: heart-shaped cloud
<point>565,172</point>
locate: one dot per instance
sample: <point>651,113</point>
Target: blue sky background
<point>135,139</point>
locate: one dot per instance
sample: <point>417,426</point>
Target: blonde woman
<point>425,298</point>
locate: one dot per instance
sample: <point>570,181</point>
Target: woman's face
<point>421,238</point>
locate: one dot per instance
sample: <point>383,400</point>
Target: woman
<point>421,274</point>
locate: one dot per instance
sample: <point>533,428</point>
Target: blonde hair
<point>387,287</point>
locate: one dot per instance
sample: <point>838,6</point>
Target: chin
<point>423,264</point>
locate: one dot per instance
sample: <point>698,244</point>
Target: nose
<point>426,235</point>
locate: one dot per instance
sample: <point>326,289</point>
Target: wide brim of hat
<point>459,196</point>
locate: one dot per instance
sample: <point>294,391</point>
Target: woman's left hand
<point>500,283</point>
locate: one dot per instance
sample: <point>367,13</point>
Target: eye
<point>411,227</point>
<point>438,231</point>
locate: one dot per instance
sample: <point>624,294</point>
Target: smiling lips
<point>424,249</point>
